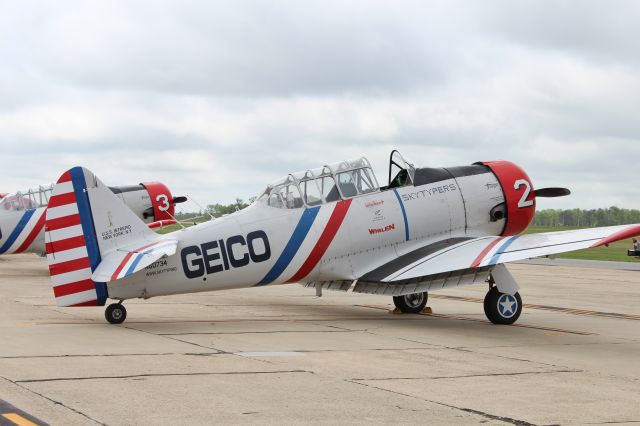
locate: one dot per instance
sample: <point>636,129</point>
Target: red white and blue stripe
<point>71,244</point>
<point>491,254</point>
<point>129,265</point>
<point>25,232</point>
<point>297,239</point>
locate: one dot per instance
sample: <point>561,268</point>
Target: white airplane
<point>333,227</point>
<point>22,215</point>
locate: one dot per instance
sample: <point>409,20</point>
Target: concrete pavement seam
<point>133,376</point>
<point>53,401</point>
<point>466,410</point>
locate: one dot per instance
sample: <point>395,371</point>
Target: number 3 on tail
<point>523,203</point>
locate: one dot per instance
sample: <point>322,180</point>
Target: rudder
<point>84,223</point>
<point>71,243</point>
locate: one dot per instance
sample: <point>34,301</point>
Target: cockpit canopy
<point>333,182</point>
<point>26,200</point>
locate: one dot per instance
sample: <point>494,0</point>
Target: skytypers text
<point>429,192</point>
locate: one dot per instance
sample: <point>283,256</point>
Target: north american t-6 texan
<point>22,214</point>
<point>330,228</point>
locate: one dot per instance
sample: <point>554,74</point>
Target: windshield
<point>26,200</point>
<point>401,172</point>
<point>333,182</point>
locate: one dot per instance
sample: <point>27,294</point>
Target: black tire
<point>411,303</point>
<point>501,308</point>
<point>115,313</point>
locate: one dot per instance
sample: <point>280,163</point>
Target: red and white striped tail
<point>72,250</point>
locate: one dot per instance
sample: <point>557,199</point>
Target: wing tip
<point>631,231</point>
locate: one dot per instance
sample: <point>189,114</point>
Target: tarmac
<point>280,355</point>
<point>580,263</point>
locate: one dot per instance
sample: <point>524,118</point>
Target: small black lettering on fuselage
<point>429,192</point>
<point>221,255</point>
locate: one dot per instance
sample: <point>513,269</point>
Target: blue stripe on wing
<point>496,257</point>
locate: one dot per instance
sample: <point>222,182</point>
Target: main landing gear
<point>502,308</point>
<point>411,303</point>
<point>115,313</point>
<point>502,304</point>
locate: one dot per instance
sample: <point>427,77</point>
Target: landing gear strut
<point>115,313</point>
<point>411,303</point>
<point>502,308</point>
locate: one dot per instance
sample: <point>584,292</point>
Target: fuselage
<point>339,240</point>
<point>22,231</point>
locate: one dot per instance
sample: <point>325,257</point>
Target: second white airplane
<point>22,214</point>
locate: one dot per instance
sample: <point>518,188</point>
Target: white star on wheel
<point>507,305</point>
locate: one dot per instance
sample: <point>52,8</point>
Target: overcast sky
<point>217,99</point>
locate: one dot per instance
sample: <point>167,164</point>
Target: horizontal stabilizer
<point>127,261</point>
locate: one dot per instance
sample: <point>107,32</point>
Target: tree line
<point>217,210</point>
<point>586,218</point>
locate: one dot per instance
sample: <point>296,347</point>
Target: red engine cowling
<point>151,201</point>
<point>161,200</point>
<point>519,195</point>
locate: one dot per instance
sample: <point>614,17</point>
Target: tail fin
<point>84,222</point>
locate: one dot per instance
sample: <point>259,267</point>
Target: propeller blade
<point>552,192</point>
<point>177,200</point>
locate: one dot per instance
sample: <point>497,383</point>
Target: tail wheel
<point>411,303</point>
<point>115,313</point>
<point>502,308</point>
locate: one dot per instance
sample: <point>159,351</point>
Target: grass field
<point>615,252</point>
<point>169,228</point>
<point>176,227</point>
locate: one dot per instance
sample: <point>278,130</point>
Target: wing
<point>128,260</point>
<point>490,251</point>
<point>466,261</point>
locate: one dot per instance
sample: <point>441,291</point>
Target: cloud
<point>218,99</point>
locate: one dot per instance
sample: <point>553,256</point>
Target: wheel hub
<point>414,300</point>
<point>507,305</point>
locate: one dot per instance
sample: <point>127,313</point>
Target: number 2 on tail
<point>523,203</point>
